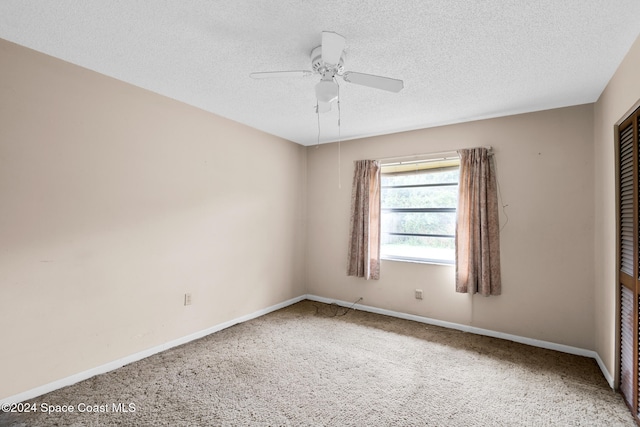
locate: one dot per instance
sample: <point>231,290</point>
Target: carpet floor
<point>313,364</point>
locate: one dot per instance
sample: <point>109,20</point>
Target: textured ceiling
<point>460,60</point>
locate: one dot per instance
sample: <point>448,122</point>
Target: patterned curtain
<point>364,235</point>
<point>477,227</point>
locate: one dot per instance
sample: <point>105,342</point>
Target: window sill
<point>420,261</point>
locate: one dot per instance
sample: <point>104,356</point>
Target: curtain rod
<point>440,153</point>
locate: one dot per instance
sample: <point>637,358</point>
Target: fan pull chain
<point>339,143</point>
<point>318,114</point>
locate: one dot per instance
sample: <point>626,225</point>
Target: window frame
<point>420,166</point>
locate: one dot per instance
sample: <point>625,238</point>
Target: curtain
<point>477,225</point>
<point>364,235</point>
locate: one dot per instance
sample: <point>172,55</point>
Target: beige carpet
<point>306,366</point>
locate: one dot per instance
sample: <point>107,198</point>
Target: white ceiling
<point>460,60</point>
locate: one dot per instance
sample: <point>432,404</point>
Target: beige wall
<point>545,171</point>
<point>114,203</point>
<point>620,95</point>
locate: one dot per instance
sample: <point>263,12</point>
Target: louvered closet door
<point>629,269</point>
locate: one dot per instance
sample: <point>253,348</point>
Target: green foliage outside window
<point>442,223</point>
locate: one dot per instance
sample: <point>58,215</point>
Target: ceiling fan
<point>327,60</point>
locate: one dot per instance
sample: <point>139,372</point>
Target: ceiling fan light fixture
<point>327,61</point>
<point>326,91</point>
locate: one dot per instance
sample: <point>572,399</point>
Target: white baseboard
<point>605,371</point>
<point>479,331</point>
<point>81,376</point>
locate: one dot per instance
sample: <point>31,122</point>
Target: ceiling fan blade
<point>280,74</point>
<point>323,107</point>
<point>332,47</point>
<point>384,83</point>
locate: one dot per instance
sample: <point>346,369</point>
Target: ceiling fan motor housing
<point>320,67</point>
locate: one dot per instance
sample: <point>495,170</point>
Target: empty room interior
<point>153,191</point>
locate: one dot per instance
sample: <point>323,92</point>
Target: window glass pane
<point>419,222</point>
<point>420,197</point>
<point>421,248</point>
<point>433,176</point>
<point>439,249</point>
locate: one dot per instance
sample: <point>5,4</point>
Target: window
<point>418,210</point>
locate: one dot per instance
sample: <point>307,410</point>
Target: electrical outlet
<point>418,293</point>
<point>187,299</point>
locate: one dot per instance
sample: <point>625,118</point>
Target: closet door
<point>628,248</point>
